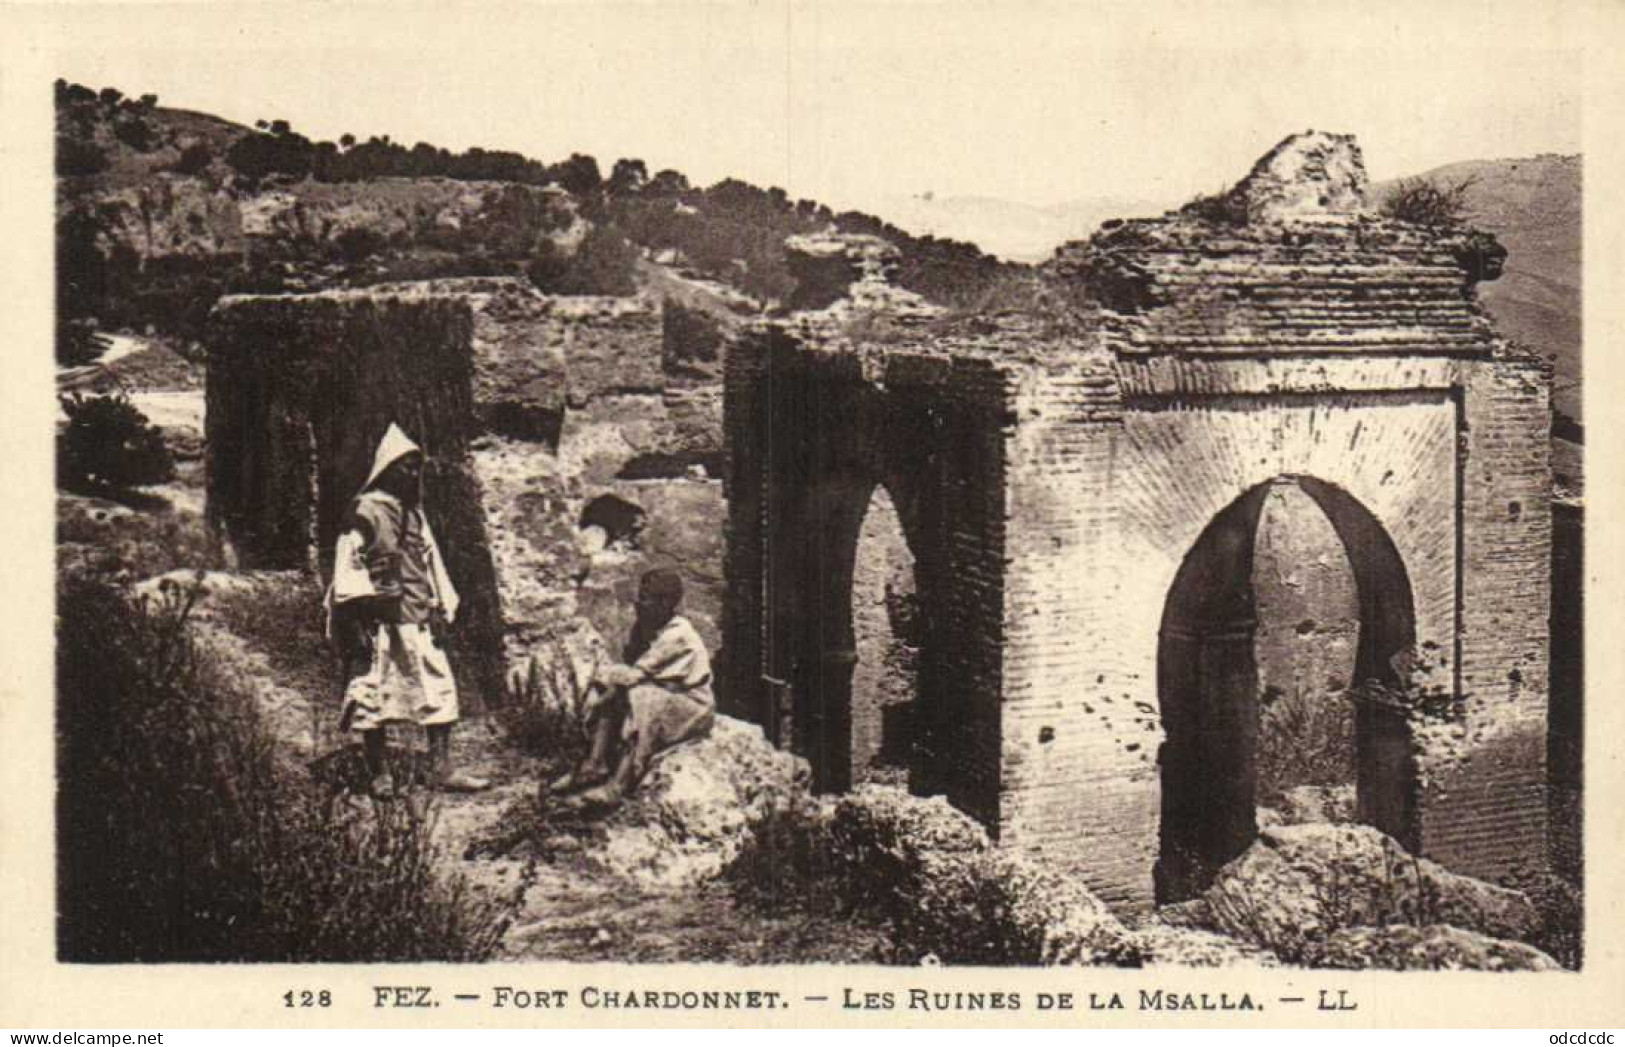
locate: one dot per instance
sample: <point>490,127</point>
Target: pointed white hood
<point>350,577</point>
<point>395,444</point>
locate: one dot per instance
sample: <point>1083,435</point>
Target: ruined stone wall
<point>301,389</point>
<point>1484,809</point>
<point>886,622</point>
<point>532,409</point>
<point>960,723</point>
<point>812,435</point>
<point>1077,480</point>
<point>746,401</point>
<point>694,345</point>
<point>1305,647</point>
<point>1080,732</point>
<point>1308,609</point>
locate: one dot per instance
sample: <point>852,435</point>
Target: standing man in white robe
<point>389,607</point>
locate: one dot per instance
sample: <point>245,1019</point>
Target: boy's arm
<point>615,674</point>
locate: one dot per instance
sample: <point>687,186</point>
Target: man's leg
<point>437,708</point>
<point>660,720</point>
<point>374,751</point>
<point>445,777</point>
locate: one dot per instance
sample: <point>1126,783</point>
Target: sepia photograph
<point>870,488</point>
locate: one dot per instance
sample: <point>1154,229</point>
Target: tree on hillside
<point>579,174</point>
<point>75,156</point>
<point>194,159</point>
<point>108,445</point>
<point>667,183</point>
<point>605,263</point>
<point>628,176</point>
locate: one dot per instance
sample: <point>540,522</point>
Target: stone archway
<point>887,637</point>
<point>824,639</point>
<point>1207,688</point>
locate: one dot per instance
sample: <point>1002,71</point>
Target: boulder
<point>1049,918</point>
<point>1159,943</point>
<point>950,893</point>
<point>1436,947</point>
<point>699,804</point>
<point>1298,885</point>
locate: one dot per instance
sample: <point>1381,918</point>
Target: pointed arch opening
<point>1209,686</point>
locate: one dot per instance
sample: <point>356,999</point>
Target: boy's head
<point>659,594</point>
<point>404,477</point>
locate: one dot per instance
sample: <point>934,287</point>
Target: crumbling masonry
<point>1080,483</point>
<point>534,412</point>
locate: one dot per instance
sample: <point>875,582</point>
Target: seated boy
<point>658,698</point>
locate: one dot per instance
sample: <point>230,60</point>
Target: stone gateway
<point>1079,484</point>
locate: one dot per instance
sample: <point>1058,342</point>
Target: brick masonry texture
<point>1060,474</point>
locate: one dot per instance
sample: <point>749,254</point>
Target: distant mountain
<point>1533,206</point>
<point>1013,231</point>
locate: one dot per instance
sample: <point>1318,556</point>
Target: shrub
<point>1304,739</point>
<point>78,343</point>
<point>135,133</point>
<point>194,159</point>
<point>75,156</point>
<point>183,837</point>
<point>108,445</point>
<point>929,875</point>
<point>286,623</point>
<point>1560,908</point>
<point>258,156</point>
<point>1219,208</point>
<point>358,244</point>
<point>542,710</point>
<point>1422,202</point>
<point>143,544</point>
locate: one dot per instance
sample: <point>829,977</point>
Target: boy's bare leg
<point>374,751</point>
<point>608,722</point>
<point>606,729</point>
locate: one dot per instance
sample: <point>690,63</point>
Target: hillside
<point>161,211</point>
<point>1533,206</point>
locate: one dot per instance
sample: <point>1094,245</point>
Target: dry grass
<point>1304,739</point>
<point>184,836</point>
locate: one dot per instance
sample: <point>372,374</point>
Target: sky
<point>855,105</point>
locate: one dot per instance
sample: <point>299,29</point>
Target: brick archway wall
<point>813,564</point>
<point>860,439</point>
<point>1179,467</point>
<point>1103,514</point>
